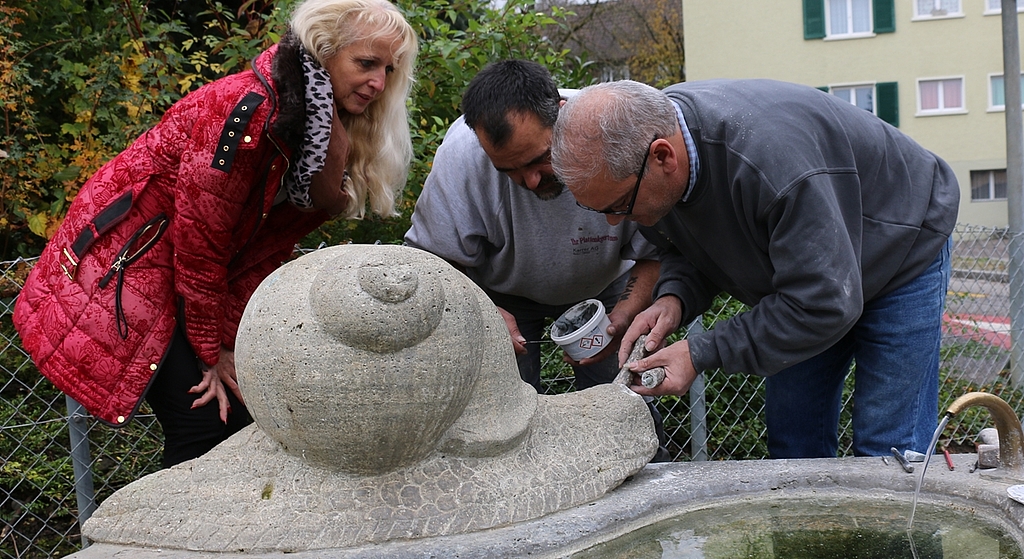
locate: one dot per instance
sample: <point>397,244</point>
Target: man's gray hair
<point>609,124</point>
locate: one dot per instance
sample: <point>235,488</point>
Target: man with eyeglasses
<point>492,206</point>
<point>832,225</point>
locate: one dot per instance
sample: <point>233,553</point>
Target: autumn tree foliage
<point>640,40</point>
<point>659,60</point>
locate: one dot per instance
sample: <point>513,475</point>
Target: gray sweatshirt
<point>805,208</point>
<point>508,240</point>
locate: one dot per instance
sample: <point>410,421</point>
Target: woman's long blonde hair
<point>380,148</point>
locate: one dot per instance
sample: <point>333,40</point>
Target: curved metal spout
<point>1011,437</point>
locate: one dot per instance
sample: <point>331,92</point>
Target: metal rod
<point>1014,188</point>
<point>698,408</point>
<point>78,430</point>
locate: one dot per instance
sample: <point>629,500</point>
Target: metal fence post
<point>81,460</point>
<point>698,408</point>
<point>1014,180</point>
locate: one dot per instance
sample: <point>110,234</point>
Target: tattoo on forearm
<point>628,289</point>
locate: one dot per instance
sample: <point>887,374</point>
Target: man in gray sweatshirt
<point>833,226</point>
<point>492,207</point>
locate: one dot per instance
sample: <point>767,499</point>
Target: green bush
<point>75,95</point>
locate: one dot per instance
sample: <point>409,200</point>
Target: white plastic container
<point>582,330</point>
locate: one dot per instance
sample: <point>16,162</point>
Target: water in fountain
<point>816,526</point>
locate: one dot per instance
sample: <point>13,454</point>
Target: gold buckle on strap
<point>71,260</point>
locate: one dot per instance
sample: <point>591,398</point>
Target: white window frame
<point>991,186</point>
<point>995,7</point>
<point>830,35</point>
<point>992,107</point>
<point>943,110</point>
<point>936,13</point>
<point>611,73</point>
<point>853,87</point>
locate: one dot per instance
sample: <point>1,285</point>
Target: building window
<point>927,9</point>
<point>844,19</point>
<point>997,92</point>
<point>861,95</point>
<point>882,98</point>
<point>988,185</point>
<point>611,73</point>
<point>940,96</point>
<point>996,6</point>
<point>848,18</point>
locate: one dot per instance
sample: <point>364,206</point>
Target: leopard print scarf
<point>313,151</point>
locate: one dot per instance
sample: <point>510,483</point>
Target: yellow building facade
<point>933,68</point>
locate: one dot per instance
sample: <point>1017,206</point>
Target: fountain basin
<point>664,491</point>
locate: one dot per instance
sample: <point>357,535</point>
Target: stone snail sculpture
<point>386,351</point>
<point>388,407</point>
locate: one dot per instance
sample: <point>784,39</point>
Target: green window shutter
<point>824,88</point>
<point>885,16</point>
<point>888,102</point>
<point>814,19</point>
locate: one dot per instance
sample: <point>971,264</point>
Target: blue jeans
<point>895,345</point>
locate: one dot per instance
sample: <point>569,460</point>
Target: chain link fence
<point>44,442</point>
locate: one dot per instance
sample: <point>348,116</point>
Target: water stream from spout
<point>924,468</point>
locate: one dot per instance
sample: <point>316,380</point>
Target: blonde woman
<point>140,292</point>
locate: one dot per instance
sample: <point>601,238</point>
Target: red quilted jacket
<point>181,225</point>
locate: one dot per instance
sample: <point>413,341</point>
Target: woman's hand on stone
<point>216,381</point>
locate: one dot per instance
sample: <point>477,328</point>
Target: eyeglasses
<point>636,188</point>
